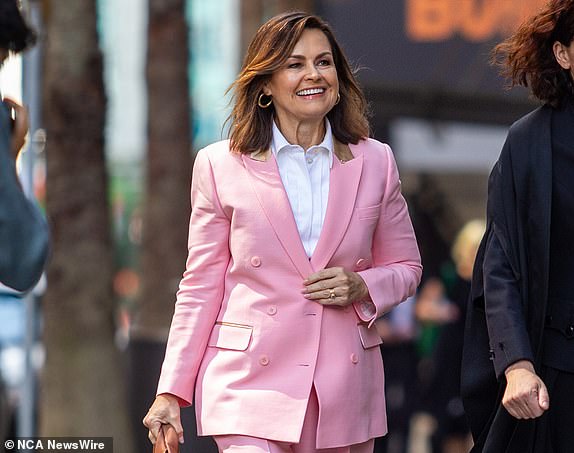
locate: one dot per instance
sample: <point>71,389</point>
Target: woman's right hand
<point>526,395</point>
<point>163,411</point>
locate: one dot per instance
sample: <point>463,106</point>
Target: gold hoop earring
<point>260,102</point>
<point>338,99</point>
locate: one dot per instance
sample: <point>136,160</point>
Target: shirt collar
<point>280,142</point>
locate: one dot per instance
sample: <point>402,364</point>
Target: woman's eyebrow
<point>302,57</point>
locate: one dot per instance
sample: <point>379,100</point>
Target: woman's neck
<point>302,133</point>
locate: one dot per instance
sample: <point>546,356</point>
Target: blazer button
<point>271,310</point>
<point>263,360</point>
<point>255,261</point>
<point>354,358</point>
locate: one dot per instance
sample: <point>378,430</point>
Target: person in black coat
<point>518,358</point>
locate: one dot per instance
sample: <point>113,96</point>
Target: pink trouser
<point>307,443</point>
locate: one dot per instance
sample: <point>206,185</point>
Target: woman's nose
<point>312,72</point>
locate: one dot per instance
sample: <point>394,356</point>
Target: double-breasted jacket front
<point>244,341</point>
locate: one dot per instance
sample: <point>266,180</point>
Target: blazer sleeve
<point>24,235</point>
<point>501,273</point>
<point>397,268</point>
<point>201,289</point>
<point>507,333</point>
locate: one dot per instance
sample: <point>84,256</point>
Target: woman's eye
<point>293,65</point>
<point>324,62</point>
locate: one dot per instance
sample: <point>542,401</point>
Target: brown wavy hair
<point>251,126</point>
<point>527,58</point>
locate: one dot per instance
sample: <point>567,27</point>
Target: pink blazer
<point>245,341</point>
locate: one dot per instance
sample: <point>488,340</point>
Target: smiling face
<point>305,88</point>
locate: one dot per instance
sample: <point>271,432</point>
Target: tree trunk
<point>166,207</point>
<point>82,388</point>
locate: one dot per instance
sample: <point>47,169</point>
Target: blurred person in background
<point>398,331</point>
<point>452,433</point>
<point>23,230</point>
<point>299,239</point>
<point>518,362</point>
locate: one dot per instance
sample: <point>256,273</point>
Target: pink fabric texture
<point>244,342</point>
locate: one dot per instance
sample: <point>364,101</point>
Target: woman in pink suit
<point>299,239</point>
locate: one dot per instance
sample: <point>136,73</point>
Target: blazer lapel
<point>343,187</point>
<point>538,206</point>
<point>269,190</point>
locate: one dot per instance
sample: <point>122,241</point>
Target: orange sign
<point>474,20</point>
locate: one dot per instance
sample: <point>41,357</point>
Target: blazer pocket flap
<point>230,336</point>
<point>369,336</point>
<point>371,212</point>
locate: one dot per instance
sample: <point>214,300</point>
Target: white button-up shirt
<point>305,175</point>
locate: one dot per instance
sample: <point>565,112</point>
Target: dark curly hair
<point>15,35</point>
<point>251,127</point>
<point>526,58</point>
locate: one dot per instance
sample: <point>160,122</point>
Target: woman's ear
<point>562,56</point>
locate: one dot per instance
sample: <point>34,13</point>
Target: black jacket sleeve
<point>509,341</point>
<point>503,301</point>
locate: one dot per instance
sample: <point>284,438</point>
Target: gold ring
<point>332,294</point>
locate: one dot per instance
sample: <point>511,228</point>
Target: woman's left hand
<point>335,286</point>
